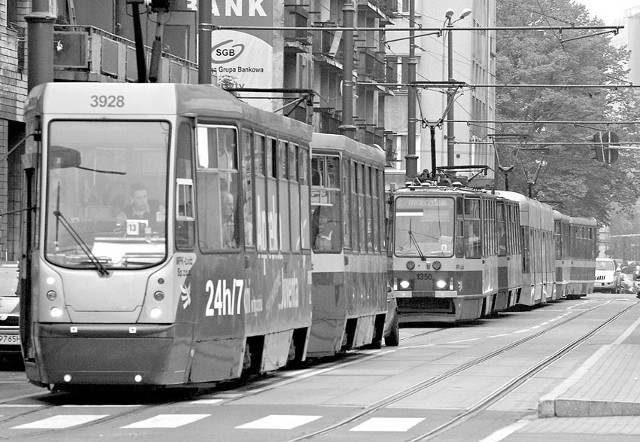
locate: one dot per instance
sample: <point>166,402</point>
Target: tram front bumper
<point>111,354</point>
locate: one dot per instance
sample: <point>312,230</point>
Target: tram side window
<point>217,187</point>
<point>247,162</point>
<point>525,250</point>
<point>346,203</point>
<point>261,192</point>
<point>185,215</point>
<point>283,195</point>
<point>272,195</point>
<point>460,243</point>
<point>472,233</point>
<point>294,191</point>
<point>502,230</point>
<point>325,202</point>
<point>305,202</point>
<point>355,244</point>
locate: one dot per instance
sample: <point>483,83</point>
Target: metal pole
<point>204,41</point>
<point>411,158</point>
<point>40,43</point>
<point>432,129</point>
<point>347,128</point>
<point>450,96</point>
<point>137,35</point>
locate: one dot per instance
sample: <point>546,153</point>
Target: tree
<point>569,173</point>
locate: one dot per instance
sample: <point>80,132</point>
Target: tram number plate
<point>9,339</point>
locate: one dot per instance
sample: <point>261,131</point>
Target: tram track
<point>484,402</point>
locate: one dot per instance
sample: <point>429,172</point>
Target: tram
<point>583,237</point>
<point>170,237</point>
<point>538,249</point>
<point>509,254</point>
<point>349,283</point>
<point>443,247</point>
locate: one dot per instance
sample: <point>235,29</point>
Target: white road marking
<point>388,424</point>
<point>167,421</point>
<point>62,421</point>
<point>506,431</point>
<point>278,422</point>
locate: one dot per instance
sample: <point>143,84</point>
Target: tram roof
<point>367,153</point>
<point>155,99</point>
<point>533,213</point>
<point>583,221</point>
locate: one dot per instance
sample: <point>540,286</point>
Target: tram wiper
<point>413,239</point>
<point>102,270</point>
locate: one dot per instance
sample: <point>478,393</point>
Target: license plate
<point>9,340</point>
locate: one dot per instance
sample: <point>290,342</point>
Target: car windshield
<point>106,194</point>
<point>605,265</point>
<point>424,227</point>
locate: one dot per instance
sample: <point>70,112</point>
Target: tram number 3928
<point>224,300</point>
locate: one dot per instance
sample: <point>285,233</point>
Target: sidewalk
<point>607,384</point>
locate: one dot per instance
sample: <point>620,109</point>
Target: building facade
<point>300,70</point>
<point>473,60</point>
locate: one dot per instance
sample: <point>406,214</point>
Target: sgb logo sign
<point>225,52</point>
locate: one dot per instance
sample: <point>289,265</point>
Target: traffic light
<point>160,5</point>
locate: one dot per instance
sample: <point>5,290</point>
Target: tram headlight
<point>411,265</point>
<point>56,312</point>
<point>155,313</point>
<point>441,283</point>
<point>52,295</point>
<point>404,284</point>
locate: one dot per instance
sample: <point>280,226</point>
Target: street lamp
<point>451,90</point>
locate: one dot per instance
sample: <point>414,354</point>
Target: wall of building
<point>13,91</point>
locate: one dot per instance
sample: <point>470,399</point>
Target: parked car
<point>608,277</point>
<point>9,308</point>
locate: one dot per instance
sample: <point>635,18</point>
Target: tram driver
<point>150,213</point>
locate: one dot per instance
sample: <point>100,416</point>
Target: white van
<point>607,276</point>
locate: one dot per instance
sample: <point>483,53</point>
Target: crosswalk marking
<point>279,422</point>
<point>167,421</point>
<point>388,424</point>
<point>62,421</point>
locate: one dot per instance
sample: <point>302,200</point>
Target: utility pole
<point>347,128</point>
<point>40,43</point>
<point>411,158</point>
<point>204,41</point>
<point>451,91</point>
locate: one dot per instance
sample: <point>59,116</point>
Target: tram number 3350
<point>224,300</point>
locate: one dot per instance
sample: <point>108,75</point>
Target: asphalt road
<point>480,381</point>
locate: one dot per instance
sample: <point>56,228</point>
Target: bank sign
<point>240,58</point>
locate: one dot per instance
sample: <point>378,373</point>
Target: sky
<point>608,10</point>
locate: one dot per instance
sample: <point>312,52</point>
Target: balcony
<point>296,39</point>
<point>86,53</point>
<point>328,43</point>
<point>371,63</point>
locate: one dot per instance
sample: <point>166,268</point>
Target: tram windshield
<point>424,227</point>
<point>106,194</point>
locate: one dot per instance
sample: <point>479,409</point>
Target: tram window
<point>261,193</point>
<point>185,216</point>
<point>283,195</point>
<point>294,191</point>
<point>472,233</point>
<point>283,160</point>
<point>502,230</point>
<point>247,191</point>
<point>217,188</point>
<point>368,209</point>
<point>305,207</point>
<point>293,161</point>
<point>347,216</point>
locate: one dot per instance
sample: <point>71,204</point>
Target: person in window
<point>142,208</point>
<point>328,236</point>
<point>227,206</point>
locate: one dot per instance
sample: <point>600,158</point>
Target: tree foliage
<point>567,174</point>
